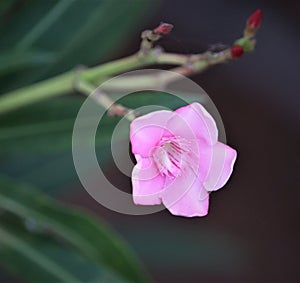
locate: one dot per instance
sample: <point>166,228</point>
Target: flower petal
<point>221,166</point>
<point>199,120</point>
<point>185,195</point>
<point>147,182</point>
<point>194,202</point>
<point>205,157</point>
<point>147,131</point>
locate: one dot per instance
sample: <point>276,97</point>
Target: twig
<point>147,55</point>
<point>102,99</point>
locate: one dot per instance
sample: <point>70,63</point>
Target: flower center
<point>171,155</point>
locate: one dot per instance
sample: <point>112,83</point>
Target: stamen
<point>172,155</point>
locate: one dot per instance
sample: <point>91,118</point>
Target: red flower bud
<point>236,51</point>
<point>163,28</point>
<point>254,20</point>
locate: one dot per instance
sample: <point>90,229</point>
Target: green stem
<point>105,101</point>
<point>64,83</point>
<point>172,58</point>
<point>84,87</point>
<point>148,81</point>
<point>116,67</point>
<point>49,88</point>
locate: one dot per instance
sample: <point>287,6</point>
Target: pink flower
<point>179,160</point>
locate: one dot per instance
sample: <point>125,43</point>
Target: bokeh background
<point>252,231</point>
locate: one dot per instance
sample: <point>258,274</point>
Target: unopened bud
<point>253,23</point>
<point>163,28</point>
<point>236,51</point>
<point>254,20</point>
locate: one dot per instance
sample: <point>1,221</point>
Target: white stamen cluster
<point>171,155</point>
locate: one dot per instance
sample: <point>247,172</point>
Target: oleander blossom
<point>179,160</point>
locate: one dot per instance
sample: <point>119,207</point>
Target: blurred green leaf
<point>11,62</point>
<point>73,32</point>
<point>22,255</point>
<point>35,256</point>
<point>36,142</point>
<point>44,127</point>
<point>71,228</point>
<point>22,250</point>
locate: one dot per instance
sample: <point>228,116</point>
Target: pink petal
<point>147,131</point>
<point>147,182</point>
<point>194,202</point>
<point>199,120</point>
<point>205,156</point>
<point>221,166</point>
<point>185,195</point>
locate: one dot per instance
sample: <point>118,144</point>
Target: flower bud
<point>253,23</point>
<point>163,28</point>
<point>236,51</point>
<point>254,20</point>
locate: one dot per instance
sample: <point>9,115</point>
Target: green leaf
<point>36,142</point>
<point>73,32</point>
<point>11,62</point>
<point>43,127</point>
<point>36,256</point>
<point>72,228</point>
<point>24,250</point>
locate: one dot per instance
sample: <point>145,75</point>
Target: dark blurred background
<point>251,233</point>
